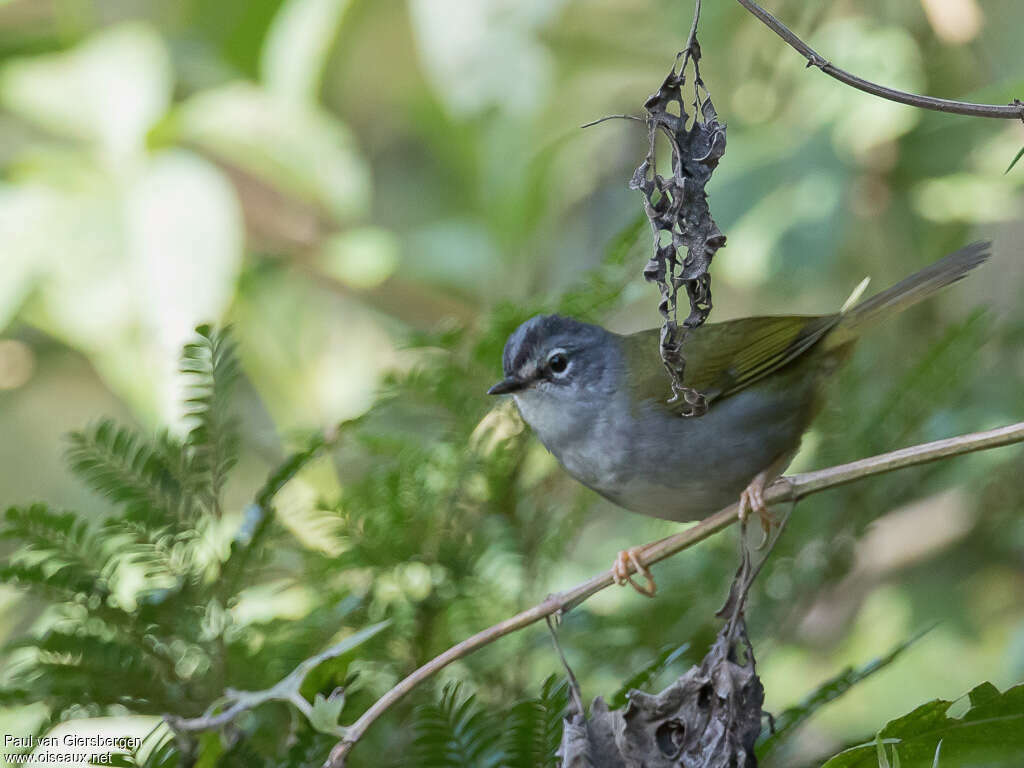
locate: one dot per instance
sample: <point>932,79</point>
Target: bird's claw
<point>752,500</point>
<point>622,576</point>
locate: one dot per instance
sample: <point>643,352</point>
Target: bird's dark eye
<point>558,362</point>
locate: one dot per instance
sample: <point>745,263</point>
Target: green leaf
<point>323,668</point>
<point>85,668</point>
<point>68,554</point>
<point>645,675</point>
<point>212,365</point>
<point>72,93</point>
<point>325,713</point>
<point>447,54</point>
<point>298,45</point>
<point>181,202</point>
<point>24,250</point>
<point>830,690</point>
<point>881,754</point>
<point>361,258</point>
<point>120,464</point>
<point>360,637</point>
<point>297,149</point>
<point>62,584</point>
<point>991,733</point>
<point>1014,162</point>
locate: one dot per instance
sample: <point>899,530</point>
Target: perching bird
<point>599,400</point>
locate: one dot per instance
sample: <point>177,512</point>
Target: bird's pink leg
<point>630,558</point>
<point>752,500</point>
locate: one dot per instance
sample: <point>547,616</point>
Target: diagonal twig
<point>1011,111</point>
<point>789,489</point>
<point>287,689</point>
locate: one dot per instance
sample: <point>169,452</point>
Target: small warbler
<point>599,401</point>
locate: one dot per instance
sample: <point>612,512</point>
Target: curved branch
<point>814,59</point>
<point>287,689</point>
<point>792,488</point>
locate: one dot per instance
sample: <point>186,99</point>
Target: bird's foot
<point>752,500</point>
<point>630,558</point>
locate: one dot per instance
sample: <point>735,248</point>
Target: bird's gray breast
<point>648,460</point>
<point>588,436</point>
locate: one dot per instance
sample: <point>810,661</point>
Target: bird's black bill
<point>507,385</point>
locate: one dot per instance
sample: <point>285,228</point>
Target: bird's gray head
<point>557,356</point>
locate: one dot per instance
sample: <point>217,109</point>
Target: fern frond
<point>534,727</point>
<point>212,366</point>
<point>61,584</point>
<point>157,750</point>
<point>67,551</point>
<point>118,463</point>
<point>40,527</point>
<point>85,668</point>
<point>455,732</point>
<point>160,750</point>
<point>166,555</point>
<point>66,560</point>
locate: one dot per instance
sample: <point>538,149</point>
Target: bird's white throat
<point>586,437</point>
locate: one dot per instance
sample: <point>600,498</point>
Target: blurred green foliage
<point>990,732</point>
<point>374,193</point>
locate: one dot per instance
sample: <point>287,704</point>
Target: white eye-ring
<point>558,362</point>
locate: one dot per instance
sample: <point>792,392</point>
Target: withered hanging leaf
<point>709,717</point>
<point>678,211</point>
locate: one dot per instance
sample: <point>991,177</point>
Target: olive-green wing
<point>723,358</point>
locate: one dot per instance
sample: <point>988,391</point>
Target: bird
<point>602,404</point>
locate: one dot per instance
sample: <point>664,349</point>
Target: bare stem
<point>612,117</point>
<point>792,489</point>
<point>814,59</point>
<point>287,689</point>
<point>692,37</point>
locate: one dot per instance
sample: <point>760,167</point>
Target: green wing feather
<point>724,358</point>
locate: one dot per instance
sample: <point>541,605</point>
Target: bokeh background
<point>335,178</point>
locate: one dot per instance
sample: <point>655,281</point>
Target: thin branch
<point>691,39</point>
<point>612,117</point>
<point>287,689</point>
<point>788,489</point>
<point>1012,111</point>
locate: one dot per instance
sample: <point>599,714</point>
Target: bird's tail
<point>910,290</point>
